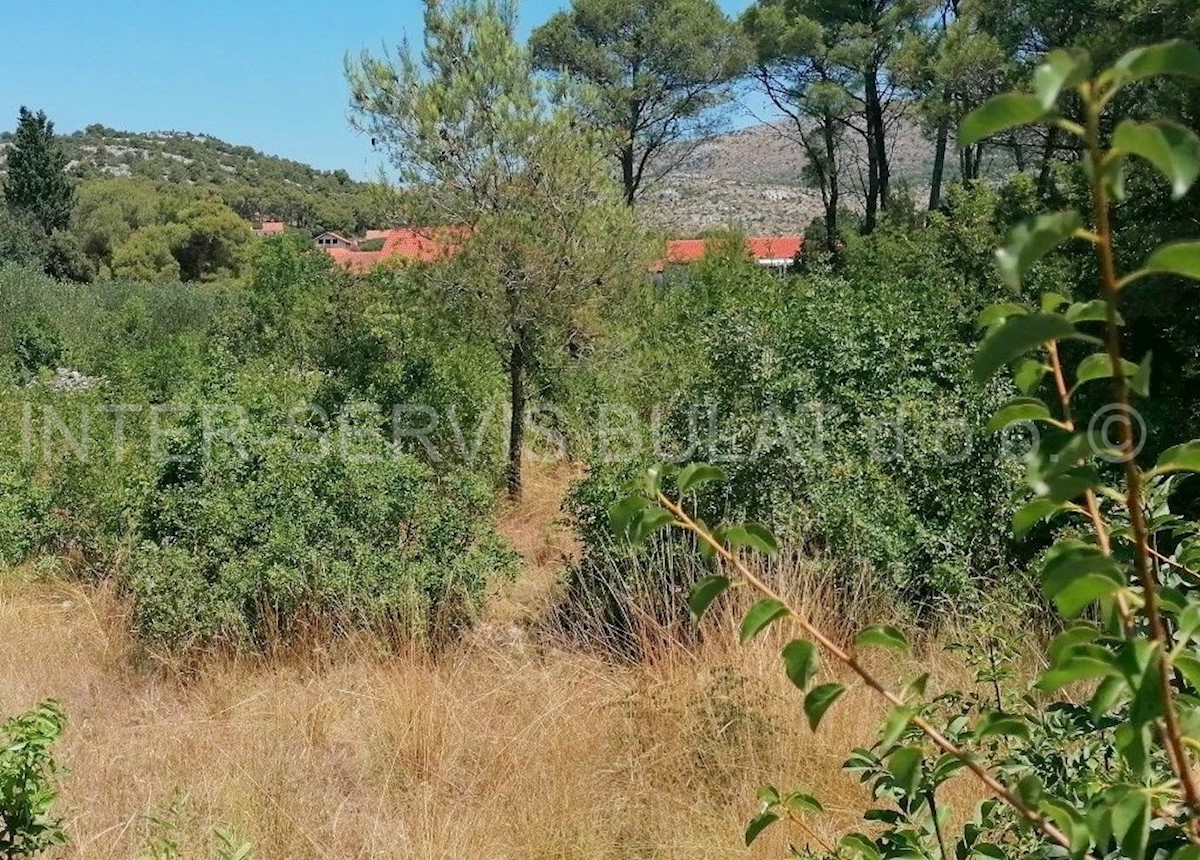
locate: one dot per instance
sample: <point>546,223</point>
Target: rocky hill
<point>184,157</point>
<point>753,178</point>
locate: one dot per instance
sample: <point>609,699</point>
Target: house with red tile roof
<point>414,244</point>
<point>270,228</point>
<point>776,252</point>
<point>430,244</point>
<point>333,239</point>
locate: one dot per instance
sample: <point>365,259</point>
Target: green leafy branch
<point>637,517</point>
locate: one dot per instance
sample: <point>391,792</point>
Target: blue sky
<point>265,73</point>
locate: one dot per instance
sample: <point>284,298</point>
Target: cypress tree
<point>37,184</point>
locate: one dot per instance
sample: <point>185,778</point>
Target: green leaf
<point>896,725</point>
<point>1061,70</point>
<point>819,700</point>
<point>698,474</point>
<point>762,539</point>
<point>1015,336</point>
<point>1140,381</point>
<point>768,795</point>
<point>1069,485</point>
<point>1033,239</point>
<point>1033,513</point>
<point>759,616</point>
<point>1009,110</point>
<point>754,536</point>
<point>1076,574</point>
<point>800,801</point>
<point>758,824</point>
<point>800,661</point>
<point>622,514</point>
<point>1131,823</point>
<point>1181,458</point>
<point>1174,258</point>
<point>1081,663</point>
<point>1099,366</point>
<point>1094,311</point>
<point>704,593</point>
<point>648,522</point>
<point>1169,146</point>
<point>904,765</point>
<point>1070,822</point>
<point>1029,789</point>
<point>858,846</point>
<point>996,724</point>
<point>882,636</point>
<point>1052,301</point>
<point>1029,375</point>
<point>999,313</point>
<point>1019,409</point>
<point>1175,57</point>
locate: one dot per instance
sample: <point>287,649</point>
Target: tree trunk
<point>628,174</point>
<point>872,213</point>
<point>878,132</point>
<point>939,164</point>
<point>831,198</point>
<point>1043,183</point>
<point>516,427</point>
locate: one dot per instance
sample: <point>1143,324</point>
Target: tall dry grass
<point>347,750</point>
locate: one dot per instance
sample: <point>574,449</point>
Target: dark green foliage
<point>20,240</point>
<point>846,403</point>
<point>36,345</point>
<point>658,68</point>
<point>37,183</point>
<point>66,260</point>
<point>281,525</point>
<point>29,782</point>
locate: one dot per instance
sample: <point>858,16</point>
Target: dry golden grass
<point>507,747</point>
<point>525,752</point>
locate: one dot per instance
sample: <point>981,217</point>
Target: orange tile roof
<point>270,228</point>
<point>775,247</point>
<point>423,244</point>
<point>419,244</point>
<point>762,248</point>
<point>357,262</point>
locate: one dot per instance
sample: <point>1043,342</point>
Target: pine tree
<point>37,184</point>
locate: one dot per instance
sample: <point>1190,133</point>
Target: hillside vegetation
<point>257,186</point>
<point>542,547</point>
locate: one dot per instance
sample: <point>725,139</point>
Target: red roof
<point>762,248</point>
<point>357,262</point>
<point>270,228</point>
<point>419,244</point>
<point>423,244</point>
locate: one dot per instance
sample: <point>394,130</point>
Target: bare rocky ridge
<point>753,178</point>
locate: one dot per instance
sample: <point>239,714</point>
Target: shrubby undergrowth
<point>839,402</point>
<point>237,479</point>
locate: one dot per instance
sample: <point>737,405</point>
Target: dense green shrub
<point>840,405</point>
<point>253,528</point>
<point>311,515</point>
